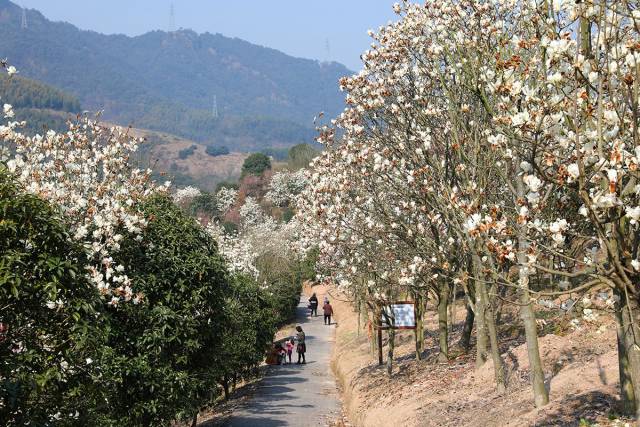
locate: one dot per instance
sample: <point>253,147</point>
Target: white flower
<point>525,166</point>
<point>555,78</point>
<point>574,171</point>
<point>558,226</point>
<point>633,213</point>
<point>8,111</point>
<point>11,70</point>
<point>520,119</point>
<point>186,194</point>
<point>533,182</point>
<point>635,264</point>
<point>89,360</point>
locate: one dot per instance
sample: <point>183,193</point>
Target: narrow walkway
<point>296,395</point>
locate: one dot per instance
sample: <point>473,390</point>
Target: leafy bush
<point>48,330</point>
<point>278,154</point>
<point>204,204</point>
<point>214,151</point>
<point>250,325</point>
<point>256,164</point>
<point>71,359</point>
<point>185,153</point>
<point>166,358</point>
<point>300,155</point>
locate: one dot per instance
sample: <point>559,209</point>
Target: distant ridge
<point>168,81</point>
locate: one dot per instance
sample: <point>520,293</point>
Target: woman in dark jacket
<point>313,305</point>
<point>302,346</point>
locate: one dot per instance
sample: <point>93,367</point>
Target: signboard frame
<point>382,326</point>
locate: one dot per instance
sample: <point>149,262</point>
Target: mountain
<point>169,81</point>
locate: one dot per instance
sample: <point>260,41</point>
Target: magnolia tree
<point>285,186</point>
<point>259,235</point>
<point>86,173</point>
<point>184,196</point>
<point>411,162</point>
<point>568,106</point>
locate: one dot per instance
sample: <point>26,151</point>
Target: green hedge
<point>81,362</point>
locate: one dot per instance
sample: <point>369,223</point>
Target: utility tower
<point>327,48</point>
<point>172,18</point>
<point>214,111</point>
<point>23,23</point>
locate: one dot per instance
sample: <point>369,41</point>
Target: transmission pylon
<point>172,18</point>
<point>214,111</point>
<point>23,23</point>
<point>327,48</point>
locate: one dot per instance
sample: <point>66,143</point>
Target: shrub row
<point>68,358</point>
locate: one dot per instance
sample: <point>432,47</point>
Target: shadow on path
<point>295,395</point>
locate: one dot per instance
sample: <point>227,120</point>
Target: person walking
<point>313,304</point>
<point>328,311</point>
<point>302,346</point>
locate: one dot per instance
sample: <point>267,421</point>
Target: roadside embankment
<point>580,366</point>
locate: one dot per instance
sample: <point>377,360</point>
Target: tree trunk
<point>527,314</point>
<point>465,338</point>
<point>628,353</point>
<point>480,315</point>
<point>419,331</point>
<point>373,331</point>
<point>194,422</point>
<point>225,386</point>
<point>540,394</point>
<point>452,308</point>
<point>627,395</point>
<point>443,330</point>
<point>498,366</point>
<point>392,345</point>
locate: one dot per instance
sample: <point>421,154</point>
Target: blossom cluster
<point>512,142</point>
<point>86,173</point>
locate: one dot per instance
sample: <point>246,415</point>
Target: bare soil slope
<point>162,154</point>
<point>580,366</point>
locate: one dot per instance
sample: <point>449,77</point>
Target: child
<point>281,354</point>
<point>290,345</point>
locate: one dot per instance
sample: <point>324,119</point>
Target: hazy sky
<point>296,27</point>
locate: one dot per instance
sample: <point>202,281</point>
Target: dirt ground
<point>580,368</point>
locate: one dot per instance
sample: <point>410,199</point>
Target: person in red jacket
<point>328,311</point>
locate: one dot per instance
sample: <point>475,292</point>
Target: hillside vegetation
<point>41,106</point>
<point>168,81</point>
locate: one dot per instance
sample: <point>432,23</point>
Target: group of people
<point>285,351</point>
<point>326,308</point>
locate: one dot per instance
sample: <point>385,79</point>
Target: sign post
<point>403,314</point>
<point>380,362</point>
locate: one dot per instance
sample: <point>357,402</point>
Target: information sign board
<point>403,314</point>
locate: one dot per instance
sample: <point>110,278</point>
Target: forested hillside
<point>41,106</point>
<point>168,81</point>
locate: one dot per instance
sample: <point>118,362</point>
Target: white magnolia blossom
<point>260,235</point>
<point>186,194</point>
<point>237,252</point>
<point>285,186</point>
<point>225,198</point>
<point>85,172</point>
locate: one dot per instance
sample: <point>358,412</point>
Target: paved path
<point>296,395</point>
